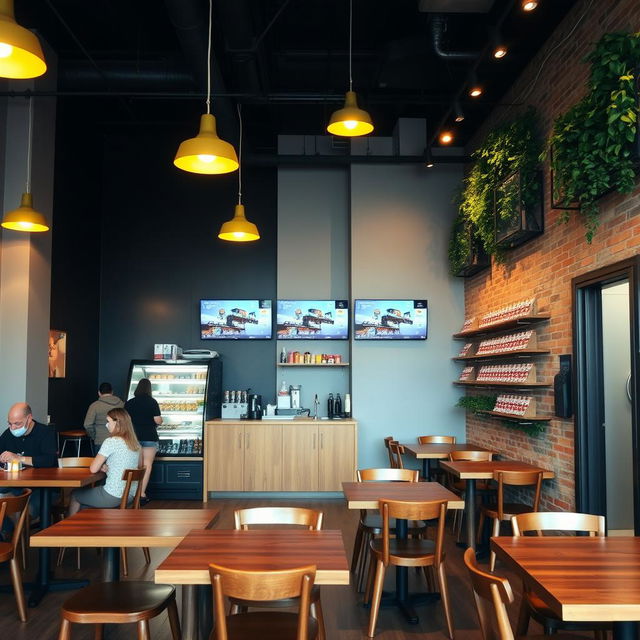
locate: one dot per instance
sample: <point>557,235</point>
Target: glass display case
<point>188,393</point>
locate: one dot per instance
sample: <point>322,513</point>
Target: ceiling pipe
<point>266,160</point>
<point>438,23</point>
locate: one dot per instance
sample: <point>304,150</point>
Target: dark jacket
<point>95,421</point>
<point>39,444</point>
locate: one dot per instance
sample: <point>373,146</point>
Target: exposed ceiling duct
<point>455,6</point>
<point>438,25</point>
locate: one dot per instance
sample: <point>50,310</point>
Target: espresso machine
<point>254,407</point>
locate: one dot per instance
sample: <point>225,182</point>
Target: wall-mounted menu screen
<point>235,319</point>
<point>313,319</point>
<point>390,320</point>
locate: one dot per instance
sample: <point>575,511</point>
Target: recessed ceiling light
<point>529,5</point>
<point>446,137</point>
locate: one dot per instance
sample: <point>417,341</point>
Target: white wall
<point>401,217</point>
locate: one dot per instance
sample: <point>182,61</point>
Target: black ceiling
<point>285,61</point>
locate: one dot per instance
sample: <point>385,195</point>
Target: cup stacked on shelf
<point>513,405</point>
<point>505,344</point>
<point>467,374</point>
<point>510,312</point>
<point>511,373</point>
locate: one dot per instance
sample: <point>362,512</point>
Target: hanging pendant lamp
<point>239,229</point>
<point>207,153</point>
<point>25,218</point>
<point>350,121</point>
<point>20,51</point>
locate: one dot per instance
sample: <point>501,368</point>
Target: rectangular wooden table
<point>45,480</point>
<point>256,550</point>
<point>580,578</point>
<point>116,528</point>
<point>433,451</point>
<point>366,495</point>
<point>472,471</point>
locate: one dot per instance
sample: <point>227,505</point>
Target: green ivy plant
<point>513,146</point>
<point>592,144</point>
<point>459,245</point>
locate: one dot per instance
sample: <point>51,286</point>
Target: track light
<point>458,111</point>
<point>498,45</point>
<point>428,158</point>
<point>475,88</point>
<point>446,137</point>
<point>529,5</point>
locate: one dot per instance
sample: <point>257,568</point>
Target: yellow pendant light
<point>239,229</point>
<point>20,51</point>
<point>350,121</point>
<point>25,218</point>
<point>207,153</point>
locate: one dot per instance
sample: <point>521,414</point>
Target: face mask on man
<point>19,432</point>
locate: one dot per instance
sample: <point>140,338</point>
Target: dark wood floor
<point>345,617</point>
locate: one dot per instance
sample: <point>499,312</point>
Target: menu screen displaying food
<point>390,319</point>
<point>235,319</point>
<point>313,319</point>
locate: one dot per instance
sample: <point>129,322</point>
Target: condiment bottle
<point>338,406</point>
<point>330,408</point>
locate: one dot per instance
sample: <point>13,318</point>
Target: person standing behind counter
<point>145,415</point>
<point>96,419</point>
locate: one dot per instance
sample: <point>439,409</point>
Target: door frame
<point>589,397</point>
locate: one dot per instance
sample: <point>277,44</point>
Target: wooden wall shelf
<point>515,385</point>
<point>512,323</point>
<point>519,353</point>
<point>519,419</point>
<point>312,364</point>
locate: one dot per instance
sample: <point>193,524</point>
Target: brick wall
<point>544,267</point>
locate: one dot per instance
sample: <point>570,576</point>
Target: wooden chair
<point>130,476</point>
<point>504,511</point>
<point>532,605</point>
<point>370,524</point>
<point>396,451</point>
<point>308,518</point>
<point>120,603</point>
<point>408,553</point>
<point>387,440</point>
<point>459,486</point>
<point>16,508</point>
<point>492,594</point>
<point>436,472</point>
<point>263,587</point>
<point>59,510</point>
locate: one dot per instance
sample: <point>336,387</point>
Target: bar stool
<point>77,436</point>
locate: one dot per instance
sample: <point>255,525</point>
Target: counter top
<point>303,420</point>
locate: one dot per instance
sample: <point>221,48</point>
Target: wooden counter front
<point>279,455</point>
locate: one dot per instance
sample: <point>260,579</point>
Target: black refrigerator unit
<point>188,392</point>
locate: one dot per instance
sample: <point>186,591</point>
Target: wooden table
<point>256,550</point>
<point>472,471</point>
<point>366,495</point>
<point>47,479</point>
<point>116,528</point>
<point>428,452</point>
<point>581,578</point>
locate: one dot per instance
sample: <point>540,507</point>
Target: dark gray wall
<point>161,255</point>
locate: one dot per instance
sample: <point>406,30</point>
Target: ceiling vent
<point>455,6</point>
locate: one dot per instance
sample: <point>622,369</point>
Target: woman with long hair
<point>120,451</point>
<point>145,415</point>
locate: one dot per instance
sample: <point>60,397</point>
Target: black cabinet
<point>176,480</point>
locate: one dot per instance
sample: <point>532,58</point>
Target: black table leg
<point>625,631</point>
<point>189,621</point>
<point>111,566</point>
<point>426,468</point>
<point>470,514</point>
<point>204,602</point>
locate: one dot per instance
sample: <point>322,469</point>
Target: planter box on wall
<point>516,221</point>
<point>477,258</point>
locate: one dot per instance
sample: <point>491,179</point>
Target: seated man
<point>30,442</point>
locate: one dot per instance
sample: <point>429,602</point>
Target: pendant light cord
<point>29,145</point>
<point>350,43</point>
<point>209,59</point>
<point>240,156</point>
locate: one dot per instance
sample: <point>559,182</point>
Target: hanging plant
<point>594,144</point>
<point>466,255</point>
<point>515,146</point>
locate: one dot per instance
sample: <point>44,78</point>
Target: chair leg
<point>480,527</point>
<point>366,542</point>
<point>357,547</point>
<point>495,532</point>
<point>369,587</point>
<point>78,557</point>
<point>444,596</point>
<point>174,620</point>
<point>316,612</point>
<point>125,562</point>
<point>234,609</point>
<point>523,616</point>
<point>65,630</point>
<point>60,556</point>
<point>98,632</point>
<point>377,596</point>
<point>143,630</point>
<point>16,579</point>
<point>428,574</point>
<point>147,555</point>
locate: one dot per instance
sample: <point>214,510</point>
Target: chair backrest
<point>17,508</point>
<point>130,476</point>
<point>75,462</point>
<point>436,439</point>
<point>472,456</point>
<point>558,521</point>
<point>388,475</point>
<point>412,511</point>
<point>517,479</point>
<point>261,586</point>
<point>309,518</point>
<point>492,594</point>
<point>387,440</point>
<point>396,451</point>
